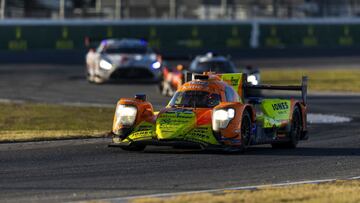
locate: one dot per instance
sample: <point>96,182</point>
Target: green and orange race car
<point>210,112</point>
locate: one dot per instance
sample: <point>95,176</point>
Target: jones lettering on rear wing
<point>302,88</point>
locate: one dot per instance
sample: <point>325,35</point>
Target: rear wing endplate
<point>302,88</point>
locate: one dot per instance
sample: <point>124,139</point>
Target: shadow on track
<point>254,151</point>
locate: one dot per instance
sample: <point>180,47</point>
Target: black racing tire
<point>133,147</point>
<point>295,132</point>
<point>245,131</point>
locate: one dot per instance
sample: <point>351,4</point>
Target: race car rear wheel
<point>295,132</point>
<point>245,130</point>
<point>133,147</point>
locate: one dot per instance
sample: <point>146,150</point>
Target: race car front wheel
<point>245,130</point>
<point>295,132</point>
<point>89,76</point>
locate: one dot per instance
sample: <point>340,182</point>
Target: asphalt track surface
<point>73,170</point>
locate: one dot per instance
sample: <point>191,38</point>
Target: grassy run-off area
<point>327,80</point>
<point>26,121</point>
<point>332,192</point>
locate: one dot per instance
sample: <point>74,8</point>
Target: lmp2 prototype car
<point>211,112</point>
<point>123,59</point>
<point>173,79</point>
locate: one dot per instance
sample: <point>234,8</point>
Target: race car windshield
<point>195,99</point>
<point>218,67</point>
<point>126,50</point>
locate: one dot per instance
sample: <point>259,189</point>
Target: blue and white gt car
<point>125,59</point>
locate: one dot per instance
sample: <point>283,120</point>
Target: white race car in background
<point>125,59</point>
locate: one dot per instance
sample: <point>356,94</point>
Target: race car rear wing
<point>240,84</point>
<point>302,88</point>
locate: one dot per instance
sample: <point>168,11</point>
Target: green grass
<point>25,122</point>
<point>333,192</point>
<point>328,80</point>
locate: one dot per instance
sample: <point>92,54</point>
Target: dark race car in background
<point>125,59</point>
<point>174,78</point>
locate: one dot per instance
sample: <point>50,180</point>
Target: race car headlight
<point>221,118</point>
<point>252,79</point>
<point>152,57</point>
<point>156,65</point>
<point>105,65</point>
<point>138,57</point>
<point>125,115</point>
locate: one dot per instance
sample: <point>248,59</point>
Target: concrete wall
<point>41,40</point>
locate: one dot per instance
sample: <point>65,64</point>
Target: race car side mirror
<point>141,97</point>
